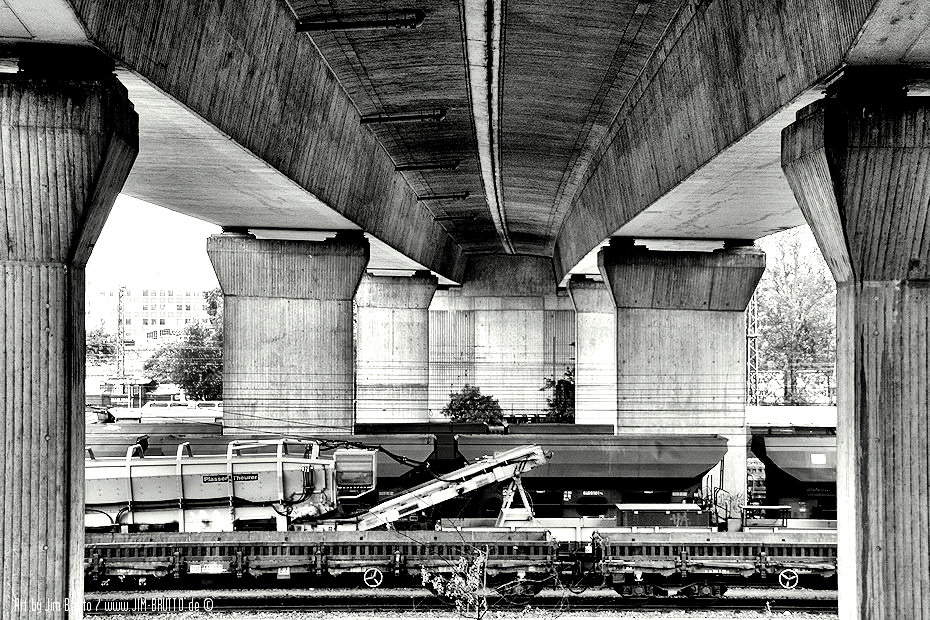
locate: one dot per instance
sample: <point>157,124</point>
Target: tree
<point>214,303</point>
<point>796,301</point>
<point>195,362</point>
<point>560,407</point>
<point>101,346</point>
<point>470,405</point>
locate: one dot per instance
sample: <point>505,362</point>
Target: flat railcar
<point>636,565</point>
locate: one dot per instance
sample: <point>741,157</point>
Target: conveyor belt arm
<point>500,466</point>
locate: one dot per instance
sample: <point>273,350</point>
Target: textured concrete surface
<point>859,171</point>
<point>392,348</point>
<point>66,150</point>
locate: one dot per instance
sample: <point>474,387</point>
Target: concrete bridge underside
<point>497,146</point>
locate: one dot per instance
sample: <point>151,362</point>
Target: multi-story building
<point>149,315</point>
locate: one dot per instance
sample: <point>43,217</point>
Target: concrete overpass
<point>495,145</point>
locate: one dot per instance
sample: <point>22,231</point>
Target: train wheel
<point>636,593</point>
<point>373,577</point>
<point>788,579</point>
<point>704,593</point>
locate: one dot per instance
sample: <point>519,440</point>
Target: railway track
<point>152,602</point>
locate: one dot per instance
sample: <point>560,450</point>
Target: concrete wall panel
<point>596,353</point>
<point>392,348</point>
<point>504,331</point>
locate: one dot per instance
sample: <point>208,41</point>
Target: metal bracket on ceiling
<point>448,164</point>
<point>388,20</point>
<point>436,115</point>
<point>453,196</point>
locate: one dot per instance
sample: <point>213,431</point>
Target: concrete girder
<point>722,69</point>
<point>244,69</point>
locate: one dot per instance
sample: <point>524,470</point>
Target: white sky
<point>144,245</point>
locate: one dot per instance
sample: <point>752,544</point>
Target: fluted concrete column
<point>288,338</point>
<point>66,146</point>
<point>861,176</point>
<point>392,347</point>
<point>681,343</point>
<point>596,352</point>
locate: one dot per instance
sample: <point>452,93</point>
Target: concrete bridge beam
<point>392,347</point>
<point>67,146</point>
<point>681,343</point>
<point>288,362</point>
<point>859,169</point>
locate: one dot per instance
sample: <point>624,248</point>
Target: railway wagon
<point>588,475</point>
<point>800,471</point>
<point>702,565</point>
<point>309,559</point>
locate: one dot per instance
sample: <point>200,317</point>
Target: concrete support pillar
<point>681,343</point>
<point>505,330</point>
<point>66,149</point>
<point>288,357</point>
<point>860,174</point>
<point>596,352</point>
<point>392,347</point>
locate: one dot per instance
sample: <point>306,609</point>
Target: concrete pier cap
<point>719,279</point>
<point>390,290</point>
<point>509,276</point>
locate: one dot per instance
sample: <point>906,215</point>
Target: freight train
<point>579,522</point>
<point>592,470</point>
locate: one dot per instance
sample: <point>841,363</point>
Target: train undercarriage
<point>518,564</point>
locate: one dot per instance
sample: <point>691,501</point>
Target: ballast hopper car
<point>257,483</point>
